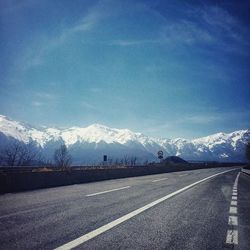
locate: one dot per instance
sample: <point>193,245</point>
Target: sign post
<point>105,160</point>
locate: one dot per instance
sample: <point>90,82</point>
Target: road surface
<point>200,209</point>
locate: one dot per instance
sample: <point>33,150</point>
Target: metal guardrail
<point>246,171</point>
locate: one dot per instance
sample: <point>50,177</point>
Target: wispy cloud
<point>37,104</point>
<point>201,119</point>
<point>87,105</point>
<point>126,43</point>
<point>183,126</point>
<point>222,25</point>
<point>186,32</point>
<point>47,96</point>
<point>218,17</point>
<point>41,99</point>
<point>36,53</point>
<point>209,25</point>
<point>89,21</point>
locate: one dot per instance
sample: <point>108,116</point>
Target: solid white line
<point>233,220</point>
<point>233,203</point>
<point>107,191</point>
<point>234,197</point>
<point>100,230</point>
<point>232,237</point>
<point>159,179</point>
<point>233,210</point>
<point>236,180</point>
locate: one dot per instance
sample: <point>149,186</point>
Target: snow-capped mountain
<point>89,144</point>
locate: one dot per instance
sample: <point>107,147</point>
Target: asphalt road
<point>150,212</point>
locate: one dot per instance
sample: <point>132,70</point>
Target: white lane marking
<point>233,210</point>
<point>102,229</point>
<point>232,237</point>
<point>182,175</point>
<point>236,180</point>
<point>232,233</point>
<point>233,220</point>
<point>233,203</point>
<point>159,179</point>
<point>107,191</point>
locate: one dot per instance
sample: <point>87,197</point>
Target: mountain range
<point>88,145</point>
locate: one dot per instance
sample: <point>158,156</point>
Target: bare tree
<point>110,161</point>
<point>20,154</point>
<point>62,157</point>
<point>121,162</point>
<point>133,160</point>
<point>126,160</point>
<point>117,163</point>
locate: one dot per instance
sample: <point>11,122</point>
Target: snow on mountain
<point>90,143</point>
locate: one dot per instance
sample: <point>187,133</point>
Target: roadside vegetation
<point>62,157</point>
<point>20,154</point>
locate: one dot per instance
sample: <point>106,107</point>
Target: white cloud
<point>207,25</point>
<point>126,43</point>
<point>223,24</point>
<point>36,52</point>
<point>201,119</point>
<point>216,16</point>
<point>47,96</point>
<point>37,104</point>
<point>186,32</point>
<point>44,99</point>
<point>87,105</point>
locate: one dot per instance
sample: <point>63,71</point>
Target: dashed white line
<point>233,210</point>
<point>232,237</point>
<point>232,233</point>
<point>233,220</point>
<point>233,203</point>
<point>159,179</point>
<point>102,229</point>
<point>107,191</point>
<point>182,175</point>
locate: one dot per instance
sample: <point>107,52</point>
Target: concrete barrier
<point>19,180</point>
<point>246,171</point>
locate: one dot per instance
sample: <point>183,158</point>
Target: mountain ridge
<point>93,141</point>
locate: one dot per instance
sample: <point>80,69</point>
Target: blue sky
<point>163,68</point>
